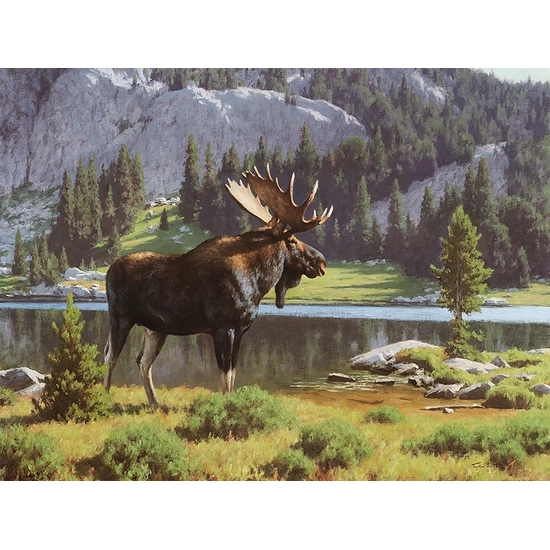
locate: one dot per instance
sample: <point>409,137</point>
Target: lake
<point>293,347</point>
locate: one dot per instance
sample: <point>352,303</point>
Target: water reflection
<point>277,351</point>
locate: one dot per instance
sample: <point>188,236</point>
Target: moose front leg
<point>226,345</point>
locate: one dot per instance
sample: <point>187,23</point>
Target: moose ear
<point>289,279</point>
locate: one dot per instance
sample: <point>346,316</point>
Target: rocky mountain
<point>49,118</point>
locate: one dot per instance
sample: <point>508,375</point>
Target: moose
<point>216,288</point>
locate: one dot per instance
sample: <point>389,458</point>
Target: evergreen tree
<point>425,249</point>
<point>108,218</point>
<point>211,195</point>
<point>478,194</point>
<point>35,268</point>
<point>307,163</point>
<point>231,213</point>
<point>18,267</point>
<point>138,185</point>
<point>261,157</point>
<point>94,204</point>
<point>361,223</point>
<point>62,233</point>
<point>190,186</point>
<point>461,279</point>
<point>523,270</point>
<point>123,192</point>
<point>82,212</point>
<point>164,226</point>
<point>396,236</point>
<point>72,391</point>
<point>113,245</point>
<point>377,240</point>
<point>63,261</point>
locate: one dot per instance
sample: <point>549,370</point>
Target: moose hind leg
<point>152,344</point>
<point>113,347</point>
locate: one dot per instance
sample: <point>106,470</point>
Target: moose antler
<point>285,210</point>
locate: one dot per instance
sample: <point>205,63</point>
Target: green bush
<point>507,454</point>
<point>144,453</point>
<point>384,415</point>
<point>291,465</point>
<point>27,456</point>
<point>239,414</point>
<point>520,359</point>
<point>511,394</point>
<point>334,443</point>
<point>452,439</point>
<point>7,397</point>
<point>531,429</point>
<point>426,358</point>
<point>72,391</point>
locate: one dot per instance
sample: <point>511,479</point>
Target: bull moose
<point>216,288</point>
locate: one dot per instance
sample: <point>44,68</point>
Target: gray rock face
<point>19,378</point>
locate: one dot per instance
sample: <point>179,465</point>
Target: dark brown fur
<point>214,289</point>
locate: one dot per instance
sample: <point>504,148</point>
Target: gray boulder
<point>500,363</point>
<point>365,360</point>
<point>19,378</point>
<point>406,369</point>
<point>371,361</point>
<point>476,391</point>
<point>421,381</point>
<point>472,367</point>
<point>524,377</point>
<point>385,381</point>
<point>540,389</point>
<point>444,391</point>
<point>498,378</point>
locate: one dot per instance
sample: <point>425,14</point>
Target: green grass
<point>82,444</point>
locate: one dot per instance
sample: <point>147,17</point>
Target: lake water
<point>298,345</point>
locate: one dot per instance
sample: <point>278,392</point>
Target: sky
<point>521,75</point>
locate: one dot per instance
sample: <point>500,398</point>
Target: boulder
<point>498,378</point>
<point>19,378</point>
<point>421,381</point>
<point>444,391</point>
<point>75,274</point>
<point>500,363</point>
<point>476,391</point>
<point>35,389</point>
<point>406,369</point>
<point>372,357</point>
<point>448,410</point>
<point>524,377</point>
<point>540,389</point>
<point>339,377</point>
<point>472,367</point>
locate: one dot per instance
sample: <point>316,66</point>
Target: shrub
<point>511,394</point>
<point>426,358</point>
<point>519,359</point>
<point>238,414</point>
<point>334,443</point>
<point>7,397</point>
<point>291,465</point>
<point>144,453</point>
<point>507,454</point>
<point>531,429</point>
<point>27,456</point>
<point>452,439</point>
<point>384,415</point>
<point>72,391</point>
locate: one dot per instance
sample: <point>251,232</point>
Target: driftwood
<point>453,406</point>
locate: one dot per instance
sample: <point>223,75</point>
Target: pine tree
<point>63,261</point>
<point>123,192</point>
<point>190,186</point>
<point>361,223</point>
<point>231,213</point>
<point>108,218</point>
<point>138,185</point>
<point>261,157</point>
<point>94,204</point>
<point>396,235</point>
<point>211,195</point>
<point>63,230</point>
<point>462,278</point>
<point>72,391</point>
<point>113,245</point>
<point>82,212</point>
<point>18,267</point>
<point>35,268</point>
<point>377,240</point>
<point>307,163</point>
<point>523,269</point>
<point>164,226</point>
